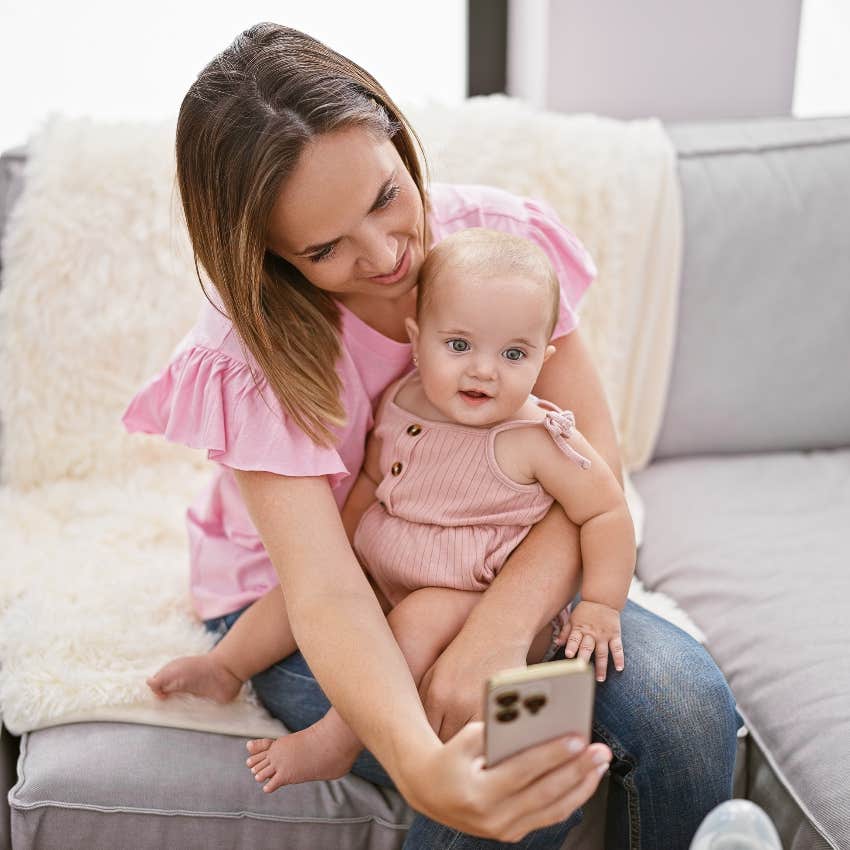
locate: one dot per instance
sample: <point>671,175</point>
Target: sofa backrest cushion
<point>762,356</point>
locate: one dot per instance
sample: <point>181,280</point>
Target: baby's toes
<point>266,773</point>
<point>259,765</point>
<point>253,761</point>
<point>274,783</point>
<point>259,745</point>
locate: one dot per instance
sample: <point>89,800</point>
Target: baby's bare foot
<point>201,675</point>
<point>300,757</point>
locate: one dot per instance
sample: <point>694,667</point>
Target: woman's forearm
<point>541,575</point>
<point>336,619</point>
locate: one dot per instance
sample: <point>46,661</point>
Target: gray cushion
<point>93,785</point>
<point>88,786</point>
<point>762,349</point>
<point>757,550</point>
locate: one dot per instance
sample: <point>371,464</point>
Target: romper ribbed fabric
<point>446,515</point>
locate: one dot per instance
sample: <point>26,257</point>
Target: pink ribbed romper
<point>446,515</point>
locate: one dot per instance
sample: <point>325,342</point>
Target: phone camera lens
<point>507,699</point>
<point>507,715</point>
<point>534,703</point>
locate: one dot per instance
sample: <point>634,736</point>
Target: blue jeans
<point>669,719</point>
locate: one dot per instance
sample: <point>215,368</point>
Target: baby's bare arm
<point>593,500</point>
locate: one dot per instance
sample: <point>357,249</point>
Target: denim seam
<point>631,790</point>
<point>454,840</point>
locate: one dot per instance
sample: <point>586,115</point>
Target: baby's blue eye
<point>514,354</point>
<point>458,345</point>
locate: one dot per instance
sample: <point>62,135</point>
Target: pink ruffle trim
<point>206,400</point>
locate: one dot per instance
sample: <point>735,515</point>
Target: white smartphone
<point>529,705</point>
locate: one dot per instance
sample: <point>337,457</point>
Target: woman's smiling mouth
<point>400,271</point>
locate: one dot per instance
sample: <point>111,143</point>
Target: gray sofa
<point>747,515</point>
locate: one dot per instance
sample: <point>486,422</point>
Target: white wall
<point>675,59</point>
<point>136,60</point>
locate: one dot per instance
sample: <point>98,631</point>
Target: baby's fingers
<point>617,654</point>
<point>585,650</point>
<point>601,661</point>
<point>573,643</point>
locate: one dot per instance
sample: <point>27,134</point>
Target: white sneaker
<point>736,825</point>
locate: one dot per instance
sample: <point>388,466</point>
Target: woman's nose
<point>379,252</point>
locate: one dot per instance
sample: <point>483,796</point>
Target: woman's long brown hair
<point>240,132</point>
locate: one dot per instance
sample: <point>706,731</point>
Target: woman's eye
<point>390,195</point>
<point>458,345</point>
<point>322,255</point>
<point>514,354</point>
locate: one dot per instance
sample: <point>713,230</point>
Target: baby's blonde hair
<point>478,250</point>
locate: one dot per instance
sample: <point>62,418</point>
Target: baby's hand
<point>592,629</point>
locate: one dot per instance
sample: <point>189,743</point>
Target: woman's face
<point>350,218</point>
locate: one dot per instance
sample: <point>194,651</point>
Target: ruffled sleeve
<point>573,264</point>
<point>205,399</point>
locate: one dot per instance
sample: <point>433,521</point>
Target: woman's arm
<point>349,646</point>
<point>540,576</point>
<point>327,594</point>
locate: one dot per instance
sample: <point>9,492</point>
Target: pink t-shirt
<point>206,398</point>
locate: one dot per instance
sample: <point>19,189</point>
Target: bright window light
<point>118,61</point>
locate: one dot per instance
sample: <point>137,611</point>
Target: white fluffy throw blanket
<point>98,288</point>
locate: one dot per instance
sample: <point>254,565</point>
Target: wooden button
<point>414,429</point>
<point>396,468</point>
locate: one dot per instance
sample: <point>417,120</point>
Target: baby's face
<point>481,344</point>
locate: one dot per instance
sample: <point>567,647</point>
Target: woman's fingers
<point>556,796</point>
<point>526,768</point>
<point>519,794</point>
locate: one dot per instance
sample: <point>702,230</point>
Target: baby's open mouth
<point>473,394</point>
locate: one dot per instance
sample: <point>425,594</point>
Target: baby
<point>461,463</point>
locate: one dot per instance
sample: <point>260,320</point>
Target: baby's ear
<point>412,331</point>
<point>550,350</point>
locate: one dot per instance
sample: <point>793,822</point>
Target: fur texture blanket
<point>98,288</point>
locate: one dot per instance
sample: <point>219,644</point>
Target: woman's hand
<point>452,689</point>
<point>538,787</point>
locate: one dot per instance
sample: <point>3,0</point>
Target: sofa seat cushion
<point>101,785</point>
<point>756,548</point>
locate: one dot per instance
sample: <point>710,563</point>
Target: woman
<point>307,208</point>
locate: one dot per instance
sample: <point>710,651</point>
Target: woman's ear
<point>550,350</point>
<point>413,332</point>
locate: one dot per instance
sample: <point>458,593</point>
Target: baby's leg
<point>259,638</point>
<point>424,623</point>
